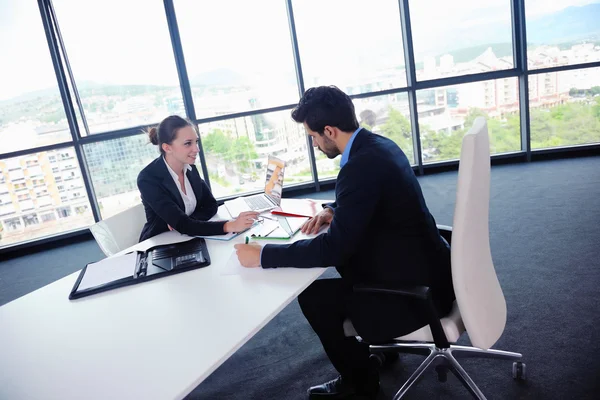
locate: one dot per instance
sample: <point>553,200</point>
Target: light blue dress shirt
<point>346,153</point>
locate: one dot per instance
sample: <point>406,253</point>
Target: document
<point>162,239</point>
<point>223,215</point>
<point>233,267</point>
<point>108,270</point>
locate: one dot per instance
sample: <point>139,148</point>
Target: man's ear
<point>330,132</point>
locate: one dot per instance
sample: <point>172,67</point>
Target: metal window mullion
<point>68,105</point>
<point>67,64</point>
<point>520,57</point>
<point>411,78</point>
<point>593,64</point>
<point>301,88</point>
<point>463,79</point>
<point>184,81</point>
<point>34,150</point>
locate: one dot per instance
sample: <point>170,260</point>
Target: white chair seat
<point>452,324</point>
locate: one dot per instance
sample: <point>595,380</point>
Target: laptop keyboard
<point>257,202</point>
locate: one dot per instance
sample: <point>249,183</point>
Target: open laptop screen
<point>274,181</point>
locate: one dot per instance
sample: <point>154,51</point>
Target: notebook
<point>138,267</point>
<point>282,229</point>
<point>269,199</point>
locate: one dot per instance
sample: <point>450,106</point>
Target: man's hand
<point>248,254</point>
<point>314,224</point>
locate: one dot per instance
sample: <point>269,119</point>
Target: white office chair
<point>480,308</point>
<point>119,231</point>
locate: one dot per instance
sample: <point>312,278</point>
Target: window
<point>238,54</point>
<point>115,178</point>
<point>461,37</point>
<point>366,55</point>
<point>26,205</point>
<point>81,209</point>
<point>126,75</point>
<point>236,151</point>
<point>564,108</point>
<point>31,111</point>
<point>562,33</point>
<point>51,216</point>
<point>63,212</point>
<point>447,113</point>
<point>12,224</point>
<point>30,219</point>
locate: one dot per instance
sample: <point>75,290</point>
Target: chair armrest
<point>421,293</point>
<point>417,292</point>
<point>446,232</point>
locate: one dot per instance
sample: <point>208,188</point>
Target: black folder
<point>138,267</point>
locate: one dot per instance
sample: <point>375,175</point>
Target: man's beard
<point>330,153</point>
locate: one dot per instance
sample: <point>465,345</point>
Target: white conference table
<point>155,340</point>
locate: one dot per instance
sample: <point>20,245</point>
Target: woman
<point>173,194</point>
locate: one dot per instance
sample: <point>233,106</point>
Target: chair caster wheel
<point>442,372</point>
<point>519,370</point>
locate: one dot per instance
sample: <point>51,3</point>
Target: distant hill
<point>572,23</point>
<point>470,53</point>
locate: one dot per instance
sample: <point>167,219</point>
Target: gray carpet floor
<point>545,234</point>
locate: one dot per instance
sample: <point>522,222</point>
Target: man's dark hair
<point>326,105</point>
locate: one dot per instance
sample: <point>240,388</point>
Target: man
<point>380,232</point>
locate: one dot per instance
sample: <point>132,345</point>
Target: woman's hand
<point>242,222</point>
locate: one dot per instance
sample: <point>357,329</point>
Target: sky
<point>127,41</point>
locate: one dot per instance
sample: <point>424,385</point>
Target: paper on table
<point>108,270</point>
<point>164,238</point>
<point>223,215</point>
<point>233,267</point>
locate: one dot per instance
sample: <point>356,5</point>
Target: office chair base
<point>446,362</point>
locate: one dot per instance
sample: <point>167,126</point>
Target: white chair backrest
<point>120,231</point>
<point>478,292</point>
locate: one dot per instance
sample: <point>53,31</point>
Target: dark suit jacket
<point>164,206</point>
<point>381,233</point>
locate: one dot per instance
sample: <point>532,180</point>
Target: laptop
<point>269,199</point>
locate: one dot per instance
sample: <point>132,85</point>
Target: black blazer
<point>164,206</point>
<point>381,233</point>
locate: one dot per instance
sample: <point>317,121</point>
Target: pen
<point>247,239</point>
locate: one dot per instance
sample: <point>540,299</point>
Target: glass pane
<point>562,32</point>
<point>126,75</point>
<point>461,37</point>
<point>41,194</point>
<point>447,113</point>
<point>31,110</point>
<point>114,166</point>
<point>237,149</point>
<point>238,54</point>
<point>365,55</point>
<point>564,108</point>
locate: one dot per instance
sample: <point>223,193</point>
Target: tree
<point>241,152</point>
<point>238,151</point>
<point>216,143</point>
<point>397,128</point>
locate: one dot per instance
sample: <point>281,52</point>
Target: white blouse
<point>189,199</point>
